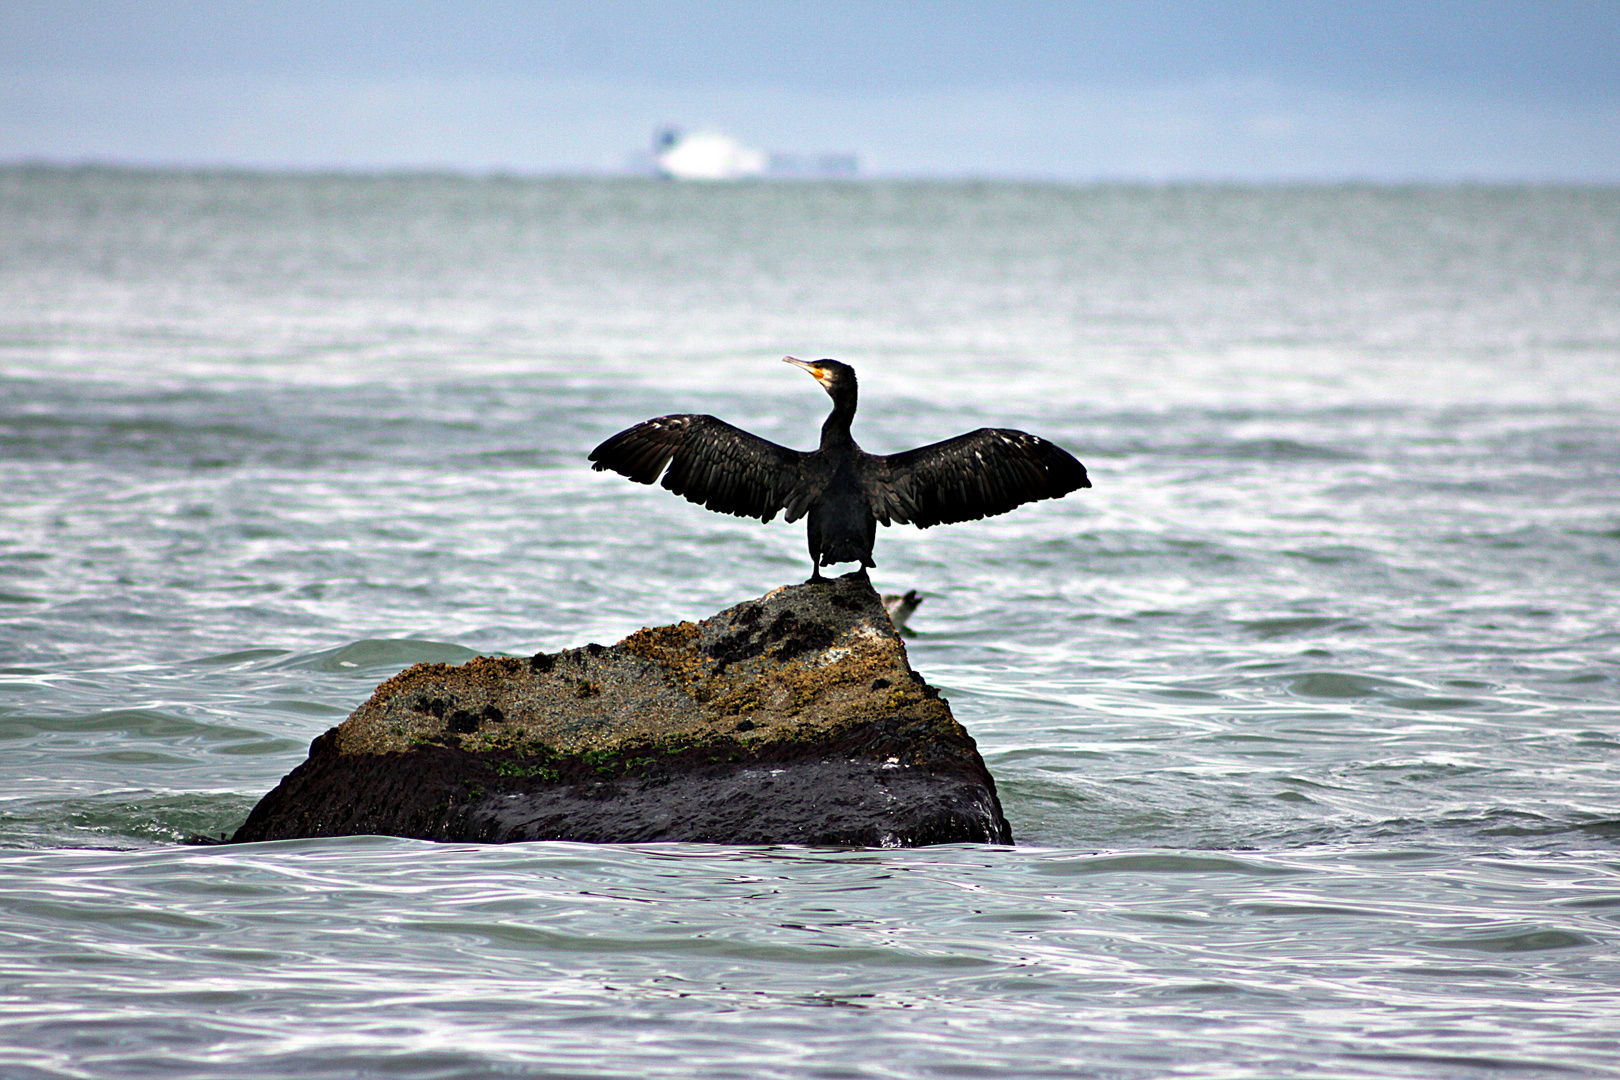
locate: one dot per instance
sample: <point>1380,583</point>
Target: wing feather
<point>712,463</point>
<point>977,475</point>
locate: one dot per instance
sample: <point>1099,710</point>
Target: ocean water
<point>1306,717</point>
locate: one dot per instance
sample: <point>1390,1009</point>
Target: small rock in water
<point>793,718</point>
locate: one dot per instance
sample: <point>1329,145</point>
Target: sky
<point>1171,90</point>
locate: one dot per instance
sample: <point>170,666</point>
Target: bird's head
<point>832,375</point>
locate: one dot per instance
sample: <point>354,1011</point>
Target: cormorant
<point>845,490</point>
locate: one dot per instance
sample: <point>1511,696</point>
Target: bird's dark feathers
<point>714,464</point>
<point>983,473</point>
<point>844,491</point>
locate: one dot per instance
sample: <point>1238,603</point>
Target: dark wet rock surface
<point>793,718</point>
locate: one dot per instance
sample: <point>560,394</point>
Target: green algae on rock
<point>793,718</point>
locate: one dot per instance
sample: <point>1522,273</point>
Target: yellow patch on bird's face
<point>820,372</point>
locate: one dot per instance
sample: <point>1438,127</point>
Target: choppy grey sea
<point>1306,717</point>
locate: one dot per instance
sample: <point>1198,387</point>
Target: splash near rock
<point>793,718</point>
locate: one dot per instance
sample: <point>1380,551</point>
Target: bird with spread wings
<point>843,490</point>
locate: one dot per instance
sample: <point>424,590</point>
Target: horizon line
<point>466,172</point>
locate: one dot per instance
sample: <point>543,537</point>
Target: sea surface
<point>1306,716</point>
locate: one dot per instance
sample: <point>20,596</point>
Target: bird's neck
<point>835,432</point>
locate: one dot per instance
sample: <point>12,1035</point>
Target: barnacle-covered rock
<point>793,718</point>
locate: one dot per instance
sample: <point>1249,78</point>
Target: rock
<point>794,718</point>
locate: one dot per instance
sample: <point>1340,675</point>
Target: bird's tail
<point>846,551</point>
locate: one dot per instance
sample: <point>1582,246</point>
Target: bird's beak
<point>816,373</point>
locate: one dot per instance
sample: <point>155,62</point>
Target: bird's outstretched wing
<point>714,464</point>
<point>972,476</point>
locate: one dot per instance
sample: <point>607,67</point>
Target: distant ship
<point>710,155</point>
<point>706,155</point>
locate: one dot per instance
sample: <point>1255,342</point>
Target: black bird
<point>845,490</point>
